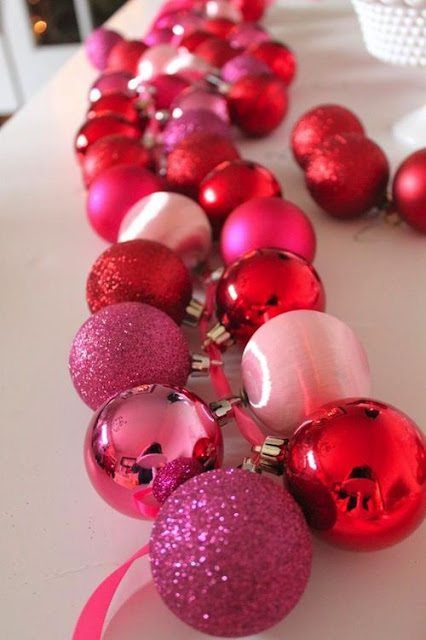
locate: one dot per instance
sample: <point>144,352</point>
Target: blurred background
<point>37,37</point>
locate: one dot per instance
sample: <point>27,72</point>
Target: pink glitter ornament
<point>267,222</point>
<point>142,431</point>
<point>247,33</point>
<point>194,121</point>
<point>230,553</point>
<point>99,44</point>
<point>171,476</point>
<point>195,98</point>
<point>124,345</point>
<point>113,192</point>
<point>243,65</point>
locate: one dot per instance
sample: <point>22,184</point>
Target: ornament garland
<point>165,177</point>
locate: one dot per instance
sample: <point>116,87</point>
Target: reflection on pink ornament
<point>138,432</point>
<point>299,361</point>
<point>246,34</point>
<point>99,44</point>
<point>195,98</point>
<point>172,219</point>
<point>222,9</point>
<point>267,222</point>
<point>193,121</point>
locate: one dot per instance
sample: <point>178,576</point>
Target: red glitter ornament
<point>192,40</point>
<point>263,284</point>
<point>409,190</point>
<point>111,151</point>
<point>252,10</point>
<point>216,51</point>
<point>140,271</point>
<point>279,58</point>
<point>318,124</point>
<point>219,27</point>
<point>357,467</point>
<point>125,56</point>
<point>100,127</point>
<point>232,183</point>
<point>193,158</point>
<point>115,104</point>
<point>258,104</point>
<point>348,175</point>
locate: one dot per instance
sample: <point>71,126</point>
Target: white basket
<point>394,30</point>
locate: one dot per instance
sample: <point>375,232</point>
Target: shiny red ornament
<point>166,89</point>
<point>279,58</point>
<point>140,271</point>
<point>263,284</point>
<point>193,158</point>
<point>251,10</point>
<point>115,104</point>
<point>409,190</point>
<point>125,56</point>
<point>318,124</point>
<point>232,183</point>
<point>192,40</point>
<point>348,175</point>
<point>100,127</point>
<point>111,151</point>
<point>258,104</point>
<point>219,27</point>
<point>216,51</point>
<point>358,469</point>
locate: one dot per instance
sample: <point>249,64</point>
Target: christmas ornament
<point>222,574</point>
<point>113,193</point>
<point>193,158</point>
<point>189,66</point>
<point>196,98</point>
<point>116,104</point>
<point>139,432</point>
<point>193,121</point>
<point>230,184</point>
<point>357,468</point>
<point>96,128</point>
<point>348,175</point>
<point>192,40</point>
<point>318,124</point>
<point>215,51</point>
<point>267,222</point>
<point>111,151</point>
<point>172,219</point>
<point>297,362</point>
<point>112,82</point>
<point>259,286</point>
<point>172,475</point>
<point>140,271</point>
<point>180,22</point>
<point>246,34</point>
<point>279,58</point>
<point>99,44</point>
<point>251,10</point>
<point>241,66</point>
<point>219,27</point>
<point>165,89</point>
<point>154,61</point>
<point>258,104</point>
<point>125,56</point>
<point>409,190</point>
<point>222,9</point>
<point>125,345</point>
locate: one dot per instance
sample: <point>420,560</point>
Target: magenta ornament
<point>195,98</point>
<point>99,44</point>
<point>245,34</point>
<point>241,66</point>
<point>139,432</point>
<point>172,475</point>
<point>112,82</point>
<point>194,121</point>
<point>230,553</point>
<point>125,345</point>
<point>159,36</point>
<point>267,222</point>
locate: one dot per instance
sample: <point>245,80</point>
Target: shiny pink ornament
<point>230,553</point>
<point>172,219</point>
<point>247,33</point>
<point>189,66</point>
<point>241,66</point>
<point>138,432</point>
<point>114,82</point>
<point>163,90</point>
<point>222,9</point>
<point>267,222</point>
<point>159,36</point>
<point>196,98</point>
<point>297,362</point>
<point>114,192</point>
<point>125,345</point>
<point>180,23</point>
<point>194,121</point>
<point>155,60</point>
<point>99,44</point>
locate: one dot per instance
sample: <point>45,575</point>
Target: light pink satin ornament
<point>222,9</point>
<point>267,222</point>
<point>247,33</point>
<point>141,430</point>
<point>155,60</point>
<point>188,65</point>
<point>172,219</point>
<point>299,361</point>
<point>195,98</point>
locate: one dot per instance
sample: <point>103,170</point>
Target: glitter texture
<point>140,271</point>
<point>194,121</point>
<point>172,475</point>
<point>230,553</point>
<point>125,345</point>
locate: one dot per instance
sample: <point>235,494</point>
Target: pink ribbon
<point>92,619</point>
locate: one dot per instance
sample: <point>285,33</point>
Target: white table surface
<point>57,538</point>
